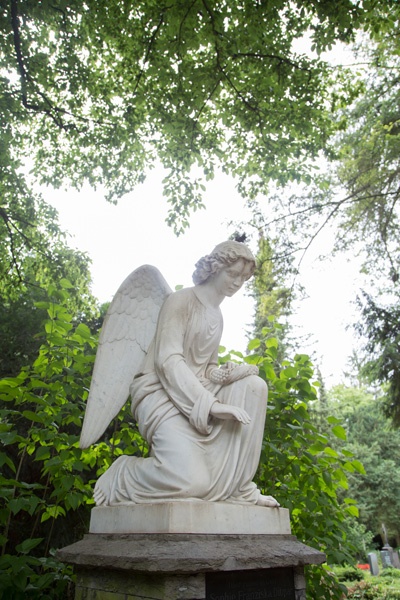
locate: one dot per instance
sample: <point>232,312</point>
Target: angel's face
<point>231,278</point>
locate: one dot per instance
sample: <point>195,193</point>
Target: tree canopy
<point>98,91</point>
<point>379,325</point>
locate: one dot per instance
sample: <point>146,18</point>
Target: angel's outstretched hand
<point>223,411</point>
<point>231,372</point>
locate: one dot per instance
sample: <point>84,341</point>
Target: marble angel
<point>204,424</point>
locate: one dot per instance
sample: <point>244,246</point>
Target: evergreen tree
<point>371,438</point>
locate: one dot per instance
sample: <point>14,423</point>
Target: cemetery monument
<point>186,522</point>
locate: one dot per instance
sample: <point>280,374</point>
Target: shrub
<point>348,573</point>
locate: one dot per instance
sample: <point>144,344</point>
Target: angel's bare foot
<point>102,489</point>
<point>268,501</point>
<point>99,496</point>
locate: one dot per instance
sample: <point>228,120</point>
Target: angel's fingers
<point>243,417</point>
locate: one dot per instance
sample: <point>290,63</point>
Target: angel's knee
<point>253,389</point>
<point>258,387</point>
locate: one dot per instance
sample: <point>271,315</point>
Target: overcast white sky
<point>121,238</point>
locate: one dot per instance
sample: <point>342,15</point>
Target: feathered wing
<point>128,328</point>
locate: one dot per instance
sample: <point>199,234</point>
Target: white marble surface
<point>203,422</point>
<point>190,517</point>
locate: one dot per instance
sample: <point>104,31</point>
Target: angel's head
<point>224,255</point>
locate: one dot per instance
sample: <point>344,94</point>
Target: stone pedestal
<point>169,563</point>
<point>190,517</point>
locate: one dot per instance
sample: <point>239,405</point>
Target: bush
<point>391,573</point>
<point>376,588</point>
<point>46,480</point>
<point>23,576</point>
<point>348,573</point>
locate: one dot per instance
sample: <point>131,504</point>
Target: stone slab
<point>190,517</point>
<point>188,553</point>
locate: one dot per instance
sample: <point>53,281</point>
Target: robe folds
<point>193,455</point>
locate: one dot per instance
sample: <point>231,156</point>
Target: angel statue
<point>204,424</point>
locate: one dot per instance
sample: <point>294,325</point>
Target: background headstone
<point>396,560</point>
<point>386,558</point>
<point>373,563</point>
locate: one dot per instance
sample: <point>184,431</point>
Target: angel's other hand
<point>225,412</point>
<point>231,372</point>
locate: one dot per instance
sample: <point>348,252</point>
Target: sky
<point>119,238</point>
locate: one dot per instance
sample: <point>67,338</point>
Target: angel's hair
<point>222,256</point>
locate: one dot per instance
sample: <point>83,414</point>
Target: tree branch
<point>24,75</point>
<point>219,64</point>
<point>280,59</point>
<point>14,261</point>
<point>148,50</point>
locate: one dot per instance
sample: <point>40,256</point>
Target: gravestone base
<point>190,566</point>
<point>189,517</point>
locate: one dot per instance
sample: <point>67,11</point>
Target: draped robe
<point>193,455</point>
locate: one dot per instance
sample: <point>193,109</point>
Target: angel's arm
<point>181,384</point>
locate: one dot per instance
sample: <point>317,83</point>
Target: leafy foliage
<point>369,156</point>
<point>374,589</point>
<point>300,468</point>
<point>98,91</point>
<point>272,298</point>
<point>45,476</point>
<point>380,327</point>
<point>47,479</point>
<point>22,312</point>
<point>361,585</point>
<point>355,189</point>
<point>371,438</point>
<point>356,193</point>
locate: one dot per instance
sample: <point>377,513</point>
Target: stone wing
<point>128,329</point>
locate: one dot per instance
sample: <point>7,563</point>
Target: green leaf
<point>32,416</point>
<point>269,371</point>
<point>340,432</point>
<point>271,343</point>
<point>253,344</point>
<point>5,459</point>
<point>358,466</point>
<point>331,452</point>
<point>42,453</point>
<point>353,511</point>
<point>66,284</point>
<point>334,420</point>
<point>289,372</point>
<point>27,545</point>
<point>84,331</point>
<point>52,512</point>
